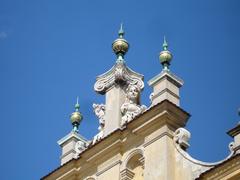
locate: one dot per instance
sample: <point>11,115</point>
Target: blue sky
<point>52,51</point>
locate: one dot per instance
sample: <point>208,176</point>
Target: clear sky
<point>52,51</point>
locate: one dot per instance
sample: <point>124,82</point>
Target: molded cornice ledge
<point>163,113</point>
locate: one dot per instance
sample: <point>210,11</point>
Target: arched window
<point>134,167</point>
<point>135,164</point>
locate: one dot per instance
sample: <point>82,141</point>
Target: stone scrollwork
<point>99,110</point>
<point>131,107</point>
<point>231,146</point>
<point>181,137</point>
<point>120,74</point>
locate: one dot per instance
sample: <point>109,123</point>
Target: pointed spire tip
<point>77,106</point>
<point>165,44</point>
<point>121,31</point>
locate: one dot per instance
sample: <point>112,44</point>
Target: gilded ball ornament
<point>165,57</point>
<point>120,45</point>
<point>76,117</point>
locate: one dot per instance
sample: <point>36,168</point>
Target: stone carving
<point>181,137</point>
<point>79,147</point>
<point>151,97</point>
<point>131,107</point>
<point>231,146</point>
<point>97,137</point>
<point>99,110</point>
<point>120,74</point>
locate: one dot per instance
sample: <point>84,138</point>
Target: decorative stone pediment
<point>120,74</point>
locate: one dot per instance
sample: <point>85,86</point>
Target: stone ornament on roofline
<point>181,137</point>
<point>119,74</point>
<point>131,108</point>
<point>99,110</point>
<point>79,147</point>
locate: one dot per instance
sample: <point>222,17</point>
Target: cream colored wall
<point>112,173</point>
<point>159,155</point>
<point>161,160</point>
<point>160,163</point>
<point>115,97</point>
<point>151,136</point>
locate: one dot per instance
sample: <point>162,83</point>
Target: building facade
<point>136,142</point>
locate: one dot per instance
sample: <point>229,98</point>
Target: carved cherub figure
<point>131,107</point>
<point>99,110</point>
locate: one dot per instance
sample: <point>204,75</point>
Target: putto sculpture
<point>99,110</point>
<point>131,107</point>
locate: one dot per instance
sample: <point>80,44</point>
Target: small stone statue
<point>99,110</point>
<point>131,107</point>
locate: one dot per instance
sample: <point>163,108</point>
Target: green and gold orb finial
<point>165,56</point>
<point>76,117</point>
<point>120,46</point>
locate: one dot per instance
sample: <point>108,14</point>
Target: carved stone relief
<point>131,108</point>
<point>119,73</point>
<point>99,110</point>
<point>181,137</point>
<point>79,147</point>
